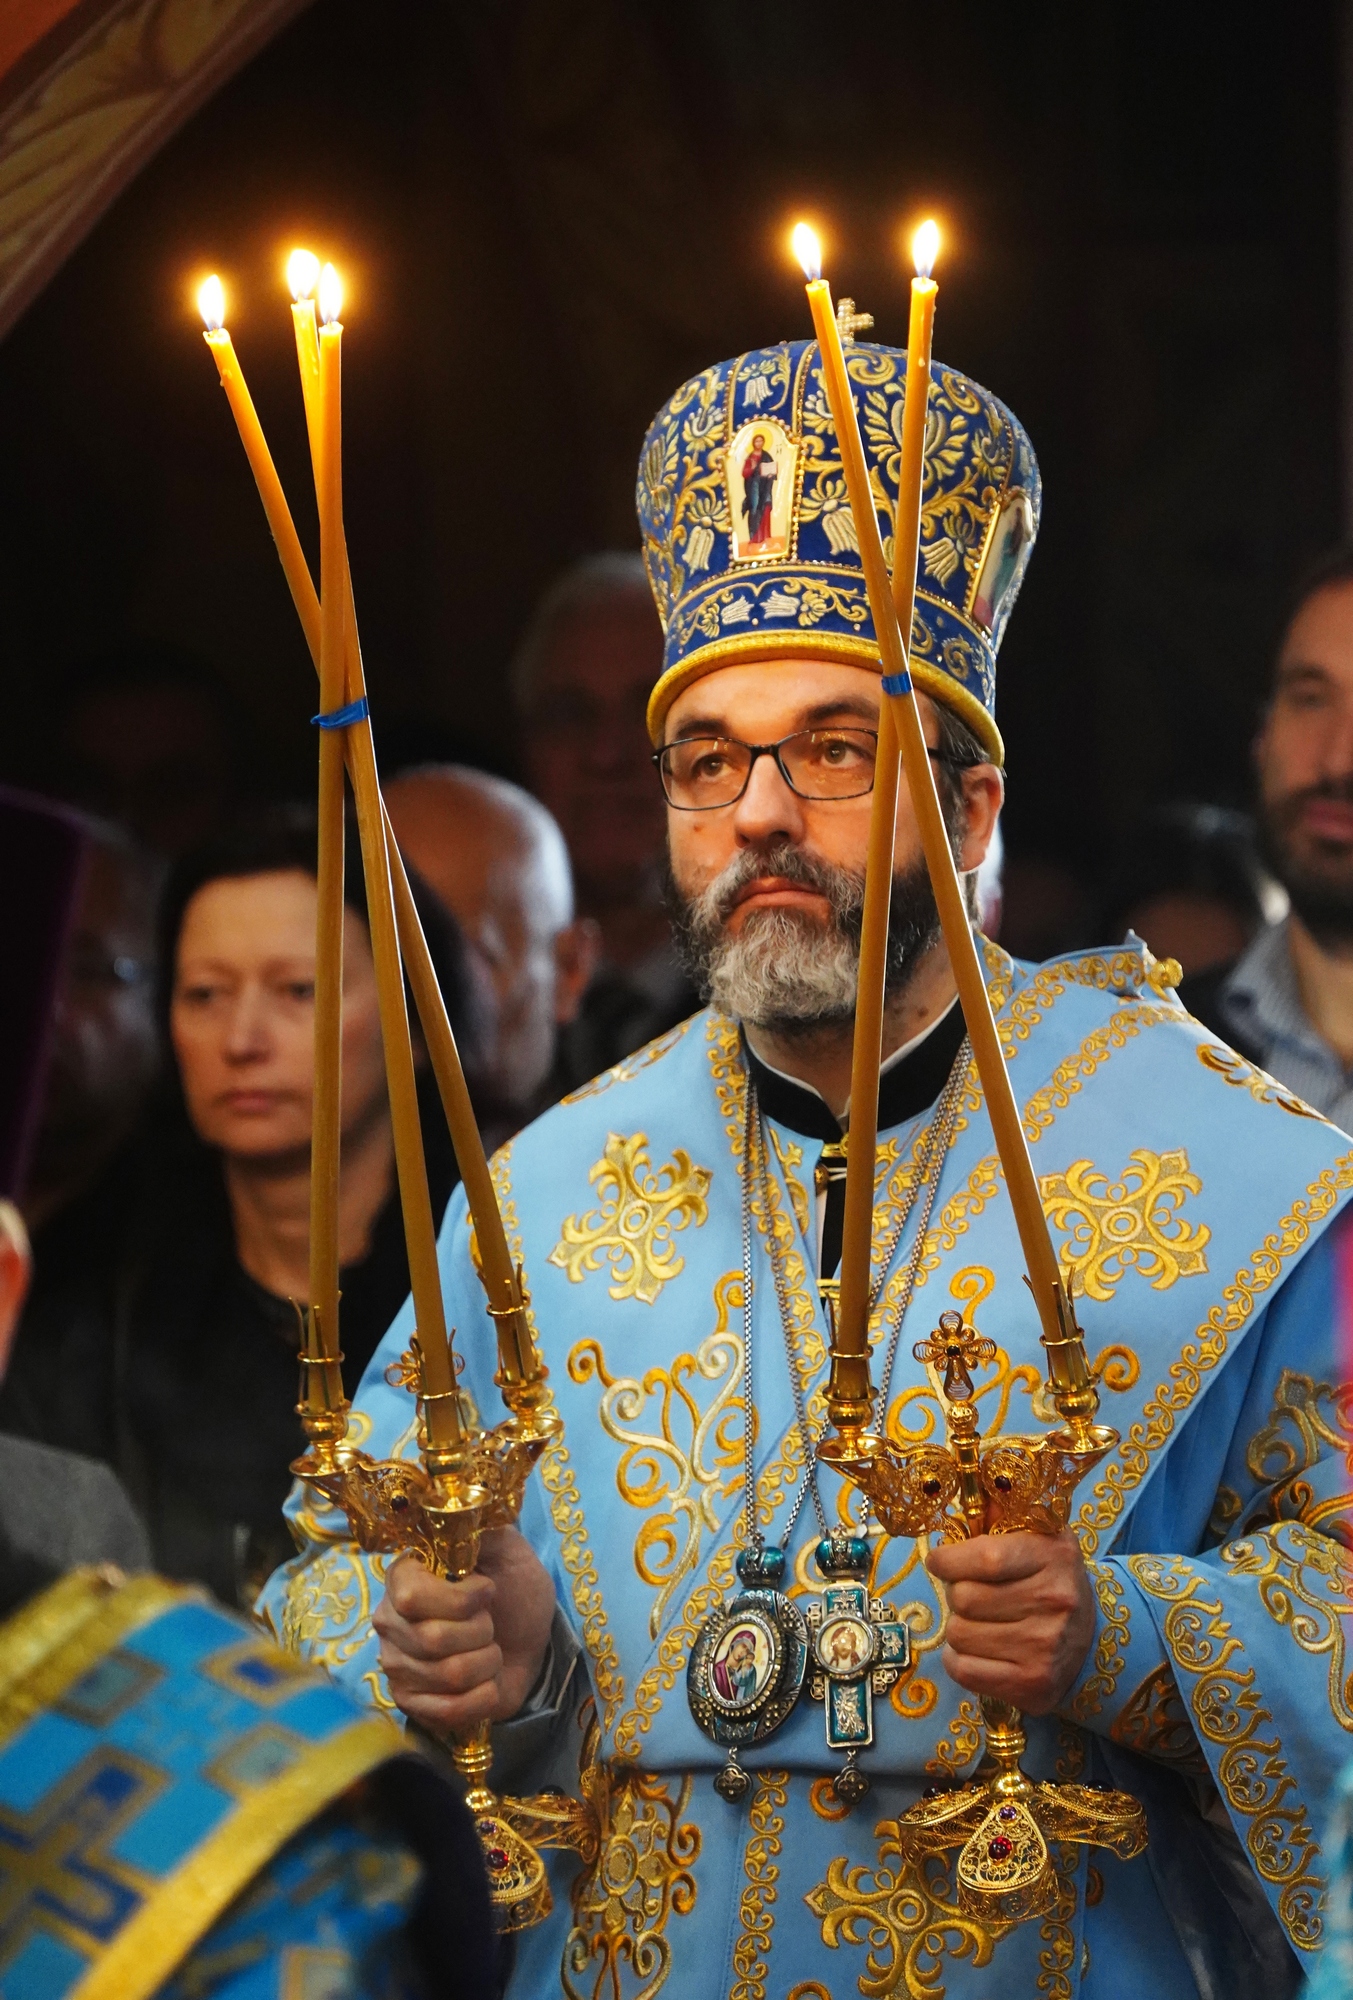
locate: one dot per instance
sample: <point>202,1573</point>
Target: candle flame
<point>330,295</point>
<point>302,274</point>
<point>925,247</point>
<point>808,249</point>
<point>211,303</point>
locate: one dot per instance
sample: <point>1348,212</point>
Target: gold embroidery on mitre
<point>1229,1712</point>
<point>632,1229</point>
<point>679,1472</point>
<point>1134,1222</point>
<point>641,1878</point>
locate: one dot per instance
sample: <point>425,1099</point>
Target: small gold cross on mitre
<point>849,322</point>
<point>957,1349</point>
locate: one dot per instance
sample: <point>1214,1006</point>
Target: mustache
<point>1283,811</point>
<point>841,888</point>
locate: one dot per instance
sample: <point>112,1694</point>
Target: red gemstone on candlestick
<point>497,1858</point>
<point>999,1848</point>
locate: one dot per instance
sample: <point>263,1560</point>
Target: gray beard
<point>784,971</point>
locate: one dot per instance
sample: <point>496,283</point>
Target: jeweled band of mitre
<point>751,547</point>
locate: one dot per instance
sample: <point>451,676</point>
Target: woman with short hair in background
<point>179,1366</point>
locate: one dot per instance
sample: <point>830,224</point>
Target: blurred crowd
<point>165,1177</point>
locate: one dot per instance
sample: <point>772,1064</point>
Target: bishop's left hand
<point>1021,1616</point>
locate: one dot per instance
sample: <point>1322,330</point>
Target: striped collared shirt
<point>1261,1004</point>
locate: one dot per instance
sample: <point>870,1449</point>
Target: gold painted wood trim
<point>59,1636</point>
<point>85,109</point>
<point>154,1943</point>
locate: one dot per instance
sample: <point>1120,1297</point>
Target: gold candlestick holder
<point>437,1508</point>
<point>1002,1821</point>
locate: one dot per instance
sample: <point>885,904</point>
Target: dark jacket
<point>145,1344</point>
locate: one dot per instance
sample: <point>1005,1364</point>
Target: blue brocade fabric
<point>1199,1206</point>
<point>170,1788</point>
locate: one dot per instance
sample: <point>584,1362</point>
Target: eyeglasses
<point>702,772</point>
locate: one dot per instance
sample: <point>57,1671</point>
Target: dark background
<point>550,213</point>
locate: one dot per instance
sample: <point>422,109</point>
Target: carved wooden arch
<point>89,90</point>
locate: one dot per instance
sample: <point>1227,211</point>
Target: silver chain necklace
<point>747,1666</point>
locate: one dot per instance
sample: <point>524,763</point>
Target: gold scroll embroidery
<point>954,1752</point>
<point>632,1228</point>
<point>1154,1722</point>
<point>632,1066</point>
<point>756,1910</point>
<point>910,1922</point>
<point>641,1878</point>
<point>1305,1584</point>
<point>1114,1634</point>
<point>1134,1222</point>
<point>1093,1053</point>
<point>1265,1089</point>
<point>1307,1417</point>
<point>690,1462</point>
<point>1205,1350</point>
<point>1228,1710</point>
<point>326,1615</point>
<point>1058,1929</point>
<point>566,1508</point>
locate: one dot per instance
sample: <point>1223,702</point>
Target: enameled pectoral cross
<point>858,1648</point>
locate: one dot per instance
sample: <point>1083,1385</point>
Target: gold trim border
<point>749,647</point>
<point>178,1914</point>
<point>56,1639</point>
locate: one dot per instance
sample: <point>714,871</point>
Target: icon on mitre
<point>760,471</point>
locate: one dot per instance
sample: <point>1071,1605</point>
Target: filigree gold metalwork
<point>1229,1711</point>
<point>437,1508</point>
<point>1001,1822</point>
<point>679,1472</point>
<point>632,1229</point>
<point>1134,1222</point>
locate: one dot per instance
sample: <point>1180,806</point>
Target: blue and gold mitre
<point>750,544</point>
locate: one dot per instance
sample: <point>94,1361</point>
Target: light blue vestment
<point>1193,1198</point>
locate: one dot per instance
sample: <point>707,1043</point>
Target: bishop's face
<point>769,886</point>
<point>762,703</point>
<point>1304,756</point>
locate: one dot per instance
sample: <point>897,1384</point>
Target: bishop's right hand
<point>459,1653</point>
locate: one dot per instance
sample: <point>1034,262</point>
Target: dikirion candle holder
<point>437,1508</point>
<point>1002,1821</point>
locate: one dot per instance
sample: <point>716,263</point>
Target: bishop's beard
<point>784,970</point>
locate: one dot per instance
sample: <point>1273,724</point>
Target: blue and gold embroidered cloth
<point>162,1767</point>
<point>1193,1198</point>
<point>752,549</point>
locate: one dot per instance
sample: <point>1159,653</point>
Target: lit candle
<point>326,1129</point>
<point>518,1360</point>
<point>852,1337</point>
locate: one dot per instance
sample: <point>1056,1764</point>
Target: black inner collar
<point>908,1088</point>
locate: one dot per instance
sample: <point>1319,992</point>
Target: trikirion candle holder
<point>1001,1821</point>
<point>437,1508</point>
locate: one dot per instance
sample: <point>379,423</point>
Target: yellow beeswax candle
<point>852,1337</point>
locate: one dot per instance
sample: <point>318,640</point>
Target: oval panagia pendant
<point>747,1665</point>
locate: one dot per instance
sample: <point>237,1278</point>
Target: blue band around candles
<point>343,718</point>
<point>897,683</point>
